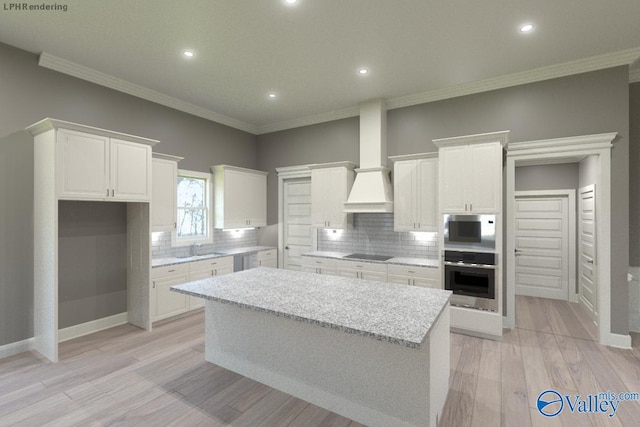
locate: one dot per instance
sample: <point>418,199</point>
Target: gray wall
<point>547,177</point>
<point>634,174</point>
<point>92,261</point>
<point>588,103</point>
<point>30,93</point>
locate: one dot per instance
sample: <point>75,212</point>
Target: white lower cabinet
<point>207,268</point>
<point>164,302</point>
<point>320,265</point>
<point>268,258</point>
<point>415,276</point>
<point>362,270</point>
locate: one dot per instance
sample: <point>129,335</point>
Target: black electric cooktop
<point>369,257</point>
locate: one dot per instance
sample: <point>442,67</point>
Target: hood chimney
<point>371,191</point>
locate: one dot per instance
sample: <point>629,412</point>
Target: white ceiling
<point>309,53</point>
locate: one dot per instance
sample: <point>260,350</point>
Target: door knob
<point>286,247</point>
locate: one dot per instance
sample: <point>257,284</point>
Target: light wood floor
<point>125,376</point>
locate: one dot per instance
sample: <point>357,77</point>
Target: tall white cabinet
<point>415,189</point>
<point>76,162</point>
<point>240,197</point>
<point>164,192</point>
<point>330,187</point>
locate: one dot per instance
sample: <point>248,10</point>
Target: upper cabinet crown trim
<point>348,165</point>
<point>416,156</point>
<point>502,137</point>
<point>237,168</point>
<point>163,156</point>
<point>596,141</point>
<point>47,124</point>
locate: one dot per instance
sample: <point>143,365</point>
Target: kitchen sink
<point>367,257</point>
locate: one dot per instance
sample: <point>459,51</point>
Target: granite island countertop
<point>389,312</point>
<point>409,261</point>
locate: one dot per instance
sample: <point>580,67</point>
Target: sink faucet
<point>194,249</point>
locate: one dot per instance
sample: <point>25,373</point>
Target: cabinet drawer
<point>319,262</point>
<point>410,271</point>
<point>362,266</point>
<point>169,270</point>
<point>211,263</point>
<point>267,255</point>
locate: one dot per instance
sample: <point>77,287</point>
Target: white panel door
<point>404,194</point>
<point>298,233</point>
<point>82,165</point>
<point>163,195</point>
<point>542,247</point>
<point>452,179</point>
<point>130,170</point>
<point>588,285</point>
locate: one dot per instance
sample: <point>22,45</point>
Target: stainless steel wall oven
<point>471,276</point>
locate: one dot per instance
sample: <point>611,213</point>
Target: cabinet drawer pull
<point>154,284</point>
<point>170,271</point>
<point>411,271</point>
<point>107,192</point>
<point>113,192</point>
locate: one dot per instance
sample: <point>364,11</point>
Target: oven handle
<point>461,264</point>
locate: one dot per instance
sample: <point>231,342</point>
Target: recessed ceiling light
<point>291,1</point>
<point>363,71</point>
<point>272,95</point>
<point>189,53</point>
<point>526,28</point>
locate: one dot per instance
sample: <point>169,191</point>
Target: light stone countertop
<point>409,261</point>
<point>163,262</point>
<point>389,312</point>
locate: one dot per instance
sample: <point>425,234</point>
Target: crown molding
<point>594,63</point>
<point>85,73</point>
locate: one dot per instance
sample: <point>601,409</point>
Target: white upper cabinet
<point>415,188</point>
<point>97,166</point>
<point>330,186</point>
<point>164,192</point>
<point>471,173</point>
<point>240,197</point>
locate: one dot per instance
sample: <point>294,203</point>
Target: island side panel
<point>370,381</point>
<point>439,364</point>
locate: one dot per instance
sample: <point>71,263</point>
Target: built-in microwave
<point>470,232</point>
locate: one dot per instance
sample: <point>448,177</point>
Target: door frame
<point>567,150</point>
<point>570,194</point>
<point>285,174</point>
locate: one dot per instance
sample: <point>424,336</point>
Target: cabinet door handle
<point>409,282</point>
<point>175,225</point>
<point>107,192</point>
<point>465,206</point>
<point>414,282</point>
<point>113,192</point>
<point>170,271</point>
<point>216,271</point>
<point>411,271</point>
<point>471,207</point>
<point>154,284</point>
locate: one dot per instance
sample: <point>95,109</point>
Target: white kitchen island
<point>377,353</point>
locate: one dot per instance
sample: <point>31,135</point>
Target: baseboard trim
<point>16,347</point>
<point>620,341</point>
<point>87,328</point>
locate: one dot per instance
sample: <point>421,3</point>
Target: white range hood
<point>371,191</point>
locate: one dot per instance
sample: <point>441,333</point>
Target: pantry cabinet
<point>164,192</point>
<point>471,178</point>
<point>97,167</point>
<point>240,197</point>
<point>415,187</point>
<point>330,187</point>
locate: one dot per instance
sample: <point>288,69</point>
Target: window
<point>193,208</point>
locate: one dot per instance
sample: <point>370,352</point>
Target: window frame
<point>184,241</point>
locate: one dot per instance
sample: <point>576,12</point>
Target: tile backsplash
<point>373,233</point>
<point>222,239</point>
